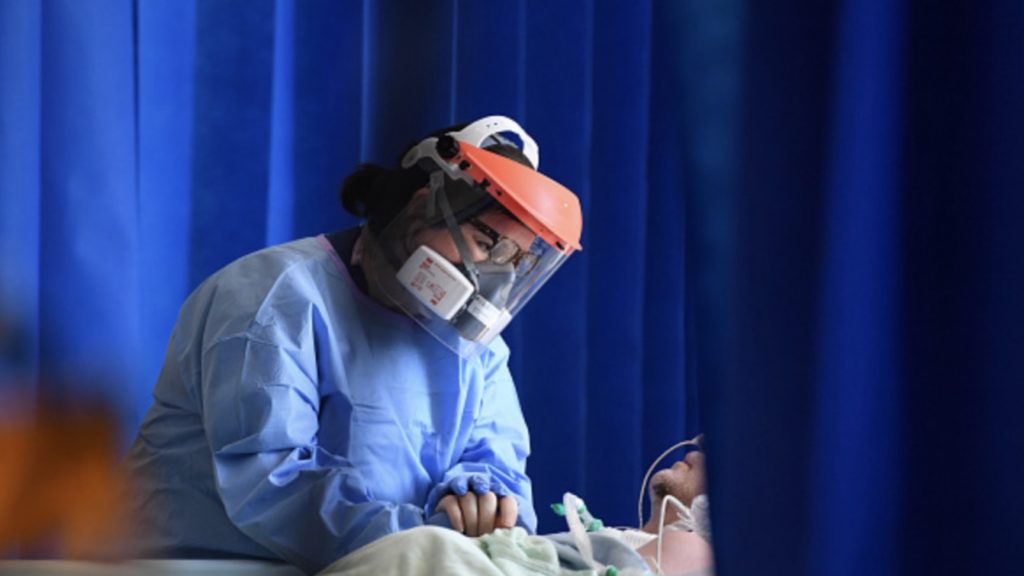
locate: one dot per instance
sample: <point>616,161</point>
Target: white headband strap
<point>475,134</point>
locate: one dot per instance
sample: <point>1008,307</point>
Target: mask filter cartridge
<point>435,282</point>
<point>486,311</point>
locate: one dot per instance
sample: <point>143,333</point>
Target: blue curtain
<point>802,222</point>
<point>855,194</point>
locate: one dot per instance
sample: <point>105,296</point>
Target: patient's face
<point>685,480</point>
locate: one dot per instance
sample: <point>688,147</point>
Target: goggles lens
<point>505,250</point>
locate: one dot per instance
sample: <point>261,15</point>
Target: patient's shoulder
<point>681,552</point>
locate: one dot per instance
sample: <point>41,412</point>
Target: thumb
<point>508,512</point>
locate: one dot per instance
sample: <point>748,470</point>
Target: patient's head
<point>685,480</point>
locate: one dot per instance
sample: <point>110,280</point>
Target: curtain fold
<point>20,132</point>
<point>962,368</point>
<point>165,32</point>
<point>88,242</point>
<point>856,396</point>
<point>328,94</point>
<point>617,274</point>
<point>282,132</point>
<point>860,362</point>
<point>551,358</point>
<point>231,132</point>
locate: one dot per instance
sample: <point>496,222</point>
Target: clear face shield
<point>460,264</point>
<point>465,256</point>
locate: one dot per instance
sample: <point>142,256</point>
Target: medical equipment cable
<point>695,441</point>
<point>683,512</point>
<point>571,503</point>
<point>572,507</point>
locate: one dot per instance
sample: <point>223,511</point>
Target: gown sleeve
<point>277,485</point>
<point>495,456</point>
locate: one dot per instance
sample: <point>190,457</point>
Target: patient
<point>686,541</point>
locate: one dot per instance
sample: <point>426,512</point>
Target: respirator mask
<point>473,246</point>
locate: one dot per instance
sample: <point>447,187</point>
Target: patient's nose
<point>695,458</point>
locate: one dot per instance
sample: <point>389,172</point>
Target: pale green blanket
<point>429,551</point>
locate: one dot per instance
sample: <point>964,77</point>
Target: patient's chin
<point>662,484</point>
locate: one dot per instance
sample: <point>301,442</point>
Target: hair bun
<point>378,194</point>
<point>357,190</point>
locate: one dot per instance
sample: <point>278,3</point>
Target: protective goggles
<point>504,250</point>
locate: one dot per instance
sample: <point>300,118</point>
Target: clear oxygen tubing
<point>697,441</point>
<point>572,504</point>
<point>684,514</point>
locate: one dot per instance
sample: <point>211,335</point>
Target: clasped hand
<point>478,514</point>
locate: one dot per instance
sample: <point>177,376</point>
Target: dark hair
<point>378,194</point>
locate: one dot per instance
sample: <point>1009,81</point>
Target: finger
<point>450,505</point>
<point>508,512</point>
<point>487,508</point>
<point>480,484</point>
<point>459,485</point>
<point>469,514</point>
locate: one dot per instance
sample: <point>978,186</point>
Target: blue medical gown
<point>296,418</point>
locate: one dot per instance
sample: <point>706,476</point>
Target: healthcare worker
<point>320,394</point>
